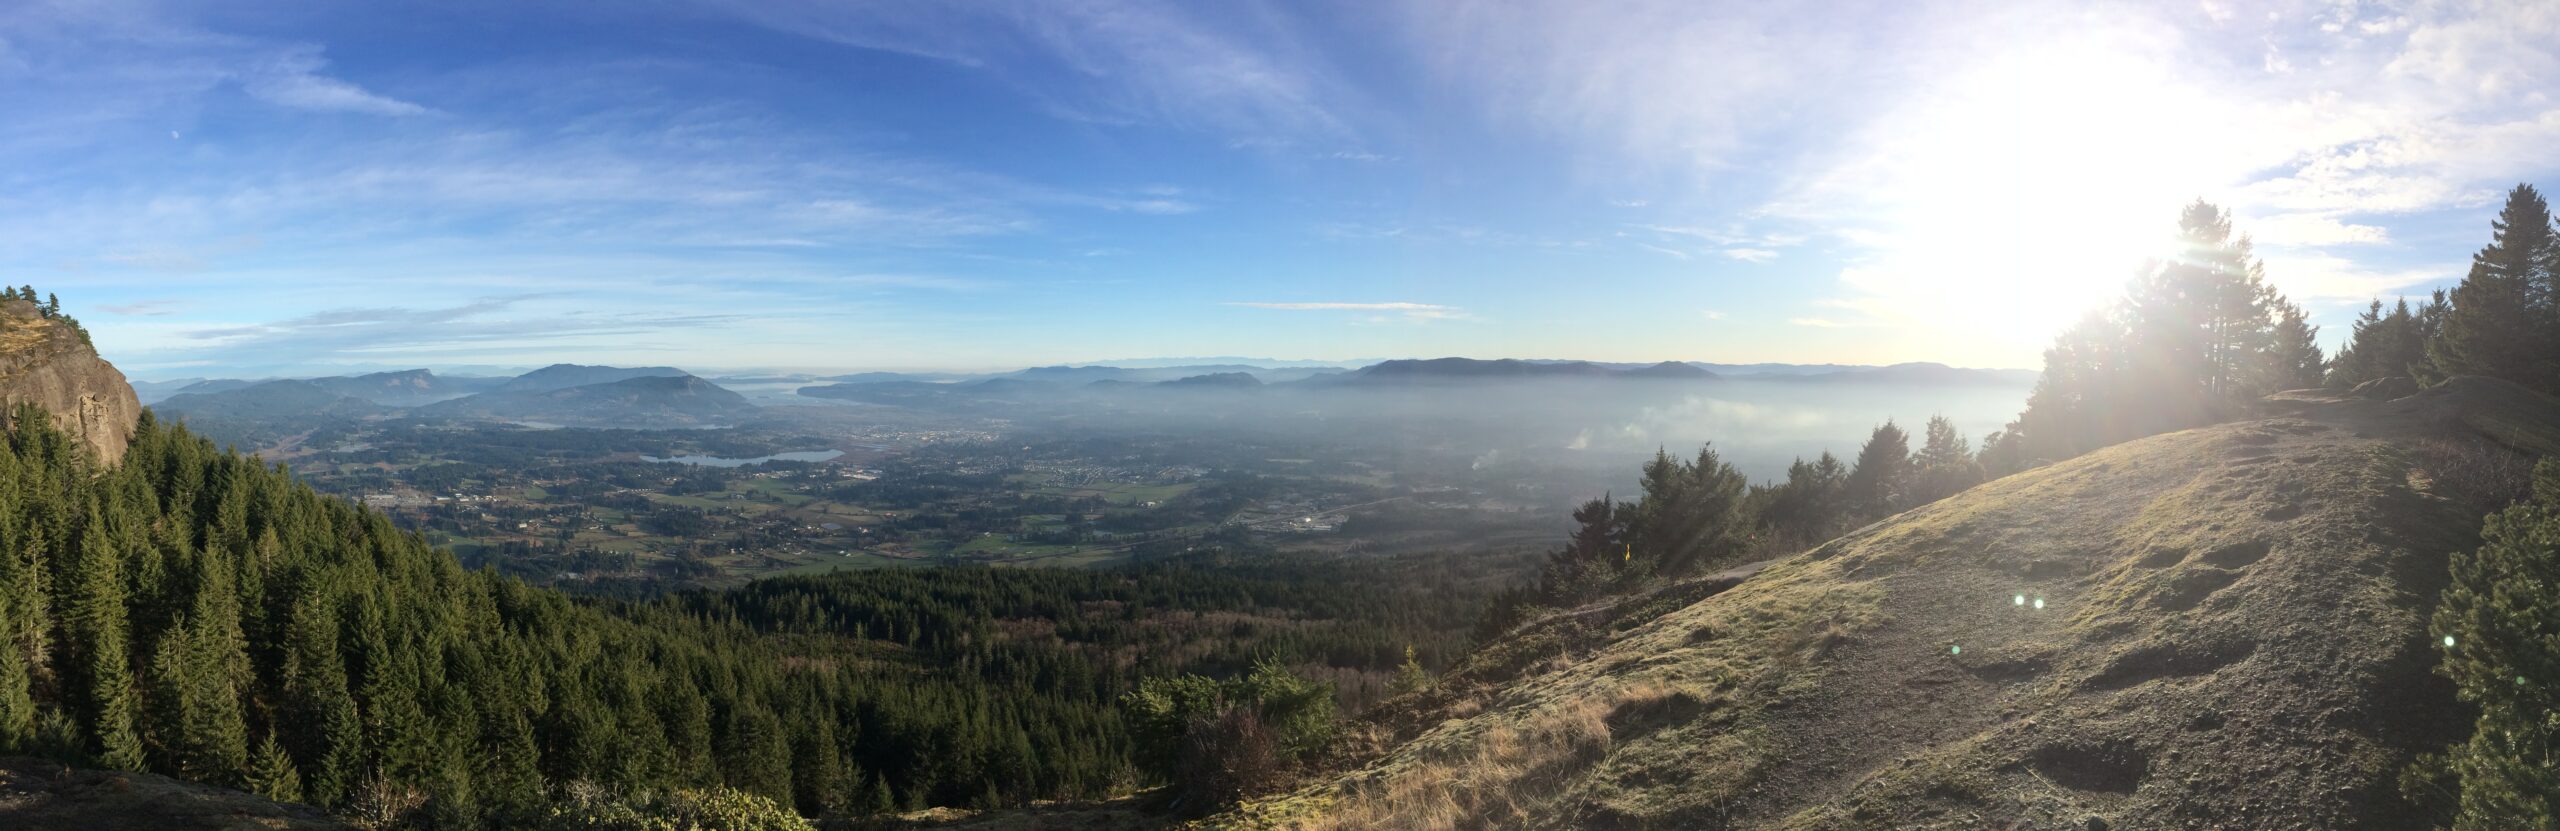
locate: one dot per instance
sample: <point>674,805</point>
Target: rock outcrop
<point>47,363</point>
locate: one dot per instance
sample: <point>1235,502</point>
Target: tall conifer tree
<point>2498,325</point>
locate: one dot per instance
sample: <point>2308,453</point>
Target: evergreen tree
<point>17,698</point>
<point>1410,676</point>
<point>1945,464</point>
<point>98,615</point>
<point>1691,513</point>
<point>2500,623</point>
<point>1880,482</point>
<point>273,774</point>
<point>329,735</point>
<point>754,757</point>
<point>2498,325</point>
<point>2294,359</point>
<point>1809,506</point>
<point>818,781</point>
<point>881,799</point>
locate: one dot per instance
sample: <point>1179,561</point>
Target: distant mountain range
<point>1470,370</point>
<point>406,388</point>
<point>267,401</point>
<point>658,396</point>
<point>564,394</point>
<point>896,388</point>
<point>655,400</point>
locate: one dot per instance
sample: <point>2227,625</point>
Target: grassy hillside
<point>2216,626</point>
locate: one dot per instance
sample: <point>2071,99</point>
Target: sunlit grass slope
<point>2217,627</point>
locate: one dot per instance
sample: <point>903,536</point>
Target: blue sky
<point>255,188</point>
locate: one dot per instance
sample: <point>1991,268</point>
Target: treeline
<point>2502,320</point>
<point>2200,335</point>
<point>49,308</point>
<point>1697,514</point>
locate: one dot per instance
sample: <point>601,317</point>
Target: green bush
<point>1218,741</point>
<point>2499,624</point>
<point>589,808</point>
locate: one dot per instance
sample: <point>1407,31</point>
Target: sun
<point>2019,194</point>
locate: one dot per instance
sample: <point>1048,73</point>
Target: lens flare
<point>2039,604</point>
<point>1955,649</point>
<point>2018,600</point>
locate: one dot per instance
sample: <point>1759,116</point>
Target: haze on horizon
<point>261,190</point>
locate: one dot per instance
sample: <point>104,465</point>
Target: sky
<point>264,189</point>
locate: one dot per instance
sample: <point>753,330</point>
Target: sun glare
<point>2026,191</point>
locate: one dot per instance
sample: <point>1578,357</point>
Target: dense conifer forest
<point>198,613</point>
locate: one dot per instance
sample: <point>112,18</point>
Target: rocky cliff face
<point>45,363</point>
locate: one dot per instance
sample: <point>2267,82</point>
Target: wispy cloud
<point>1750,255</point>
<point>292,79</point>
<point>394,332</point>
<point>1111,62</point>
<point>144,308</point>
<point>1816,322</point>
<point>1408,311</point>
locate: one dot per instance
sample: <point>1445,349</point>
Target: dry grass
<point>1500,776</point>
<point>1667,696</point>
<point>2474,469</point>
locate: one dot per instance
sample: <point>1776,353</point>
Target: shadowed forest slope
<point>2219,626</point>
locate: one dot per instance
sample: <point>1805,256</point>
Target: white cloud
<point>2314,277</point>
<point>1751,255</point>
<point>293,79</point>
<point>1109,62</point>
<point>1816,322</point>
<point>2310,230</point>
<point>1647,84</point>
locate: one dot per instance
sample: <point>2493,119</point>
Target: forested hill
<point>196,613</point>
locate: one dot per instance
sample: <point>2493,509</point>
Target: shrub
<point>585,807</point>
<point>1218,741</point>
<point>2499,624</point>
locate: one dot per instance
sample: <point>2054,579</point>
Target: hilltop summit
<point>2220,627</point>
<point>46,362</point>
